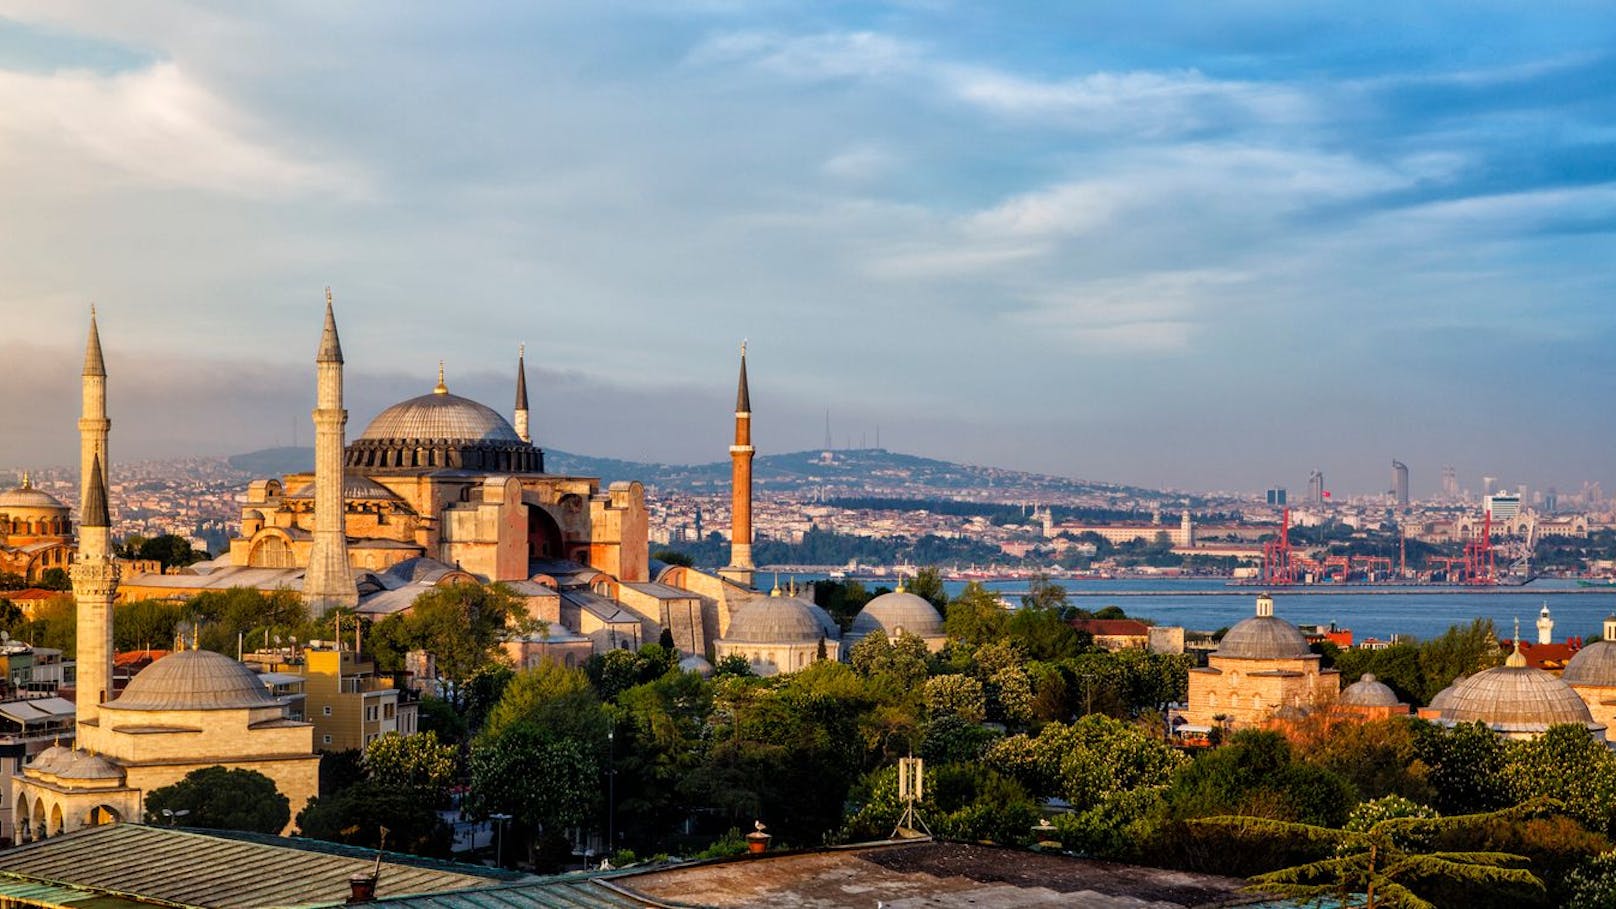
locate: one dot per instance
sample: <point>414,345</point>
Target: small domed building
<point>1592,675</point>
<point>189,710</point>
<point>777,634</point>
<point>896,613</point>
<point>1370,699</point>
<point>1262,665</point>
<point>1516,701</point>
<point>36,533</point>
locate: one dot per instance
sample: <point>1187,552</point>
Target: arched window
<point>271,552</point>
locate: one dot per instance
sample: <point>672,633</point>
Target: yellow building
<point>1592,675</point>
<point>1262,665</point>
<point>347,701</point>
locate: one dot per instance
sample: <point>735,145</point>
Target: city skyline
<point>1170,247</point>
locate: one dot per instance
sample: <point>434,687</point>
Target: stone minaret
<point>329,581</point>
<point>93,422</point>
<point>521,424</point>
<point>95,583</point>
<point>1545,626</point>
<point>740,565</point>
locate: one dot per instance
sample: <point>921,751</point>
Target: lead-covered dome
<point>26,496</point>
<point>1516,699</point>
<point>1368,691</point>
<point>1264,636</point>
<point>1594,664</point>
<point>774,620</point>
<point>194,680</point>
<point>442,430</point>
<point>898,611</point>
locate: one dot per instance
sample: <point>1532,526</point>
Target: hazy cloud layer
<point>1205,246</point>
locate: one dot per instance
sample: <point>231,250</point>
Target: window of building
<point>370,713</point>
<point>389,711</point>
<point>328,710</point>
<point>326,739</point>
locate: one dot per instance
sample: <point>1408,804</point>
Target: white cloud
<point>154,125</point>
<point>830,55</point>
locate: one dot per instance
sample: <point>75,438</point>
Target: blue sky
<point>1201,245</point>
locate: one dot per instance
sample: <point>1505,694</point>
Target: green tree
<point>903,661</point>
<point>956,695</point>
<point>673,557</point>
<point>417,764</point>
<point>145,624</point>
<point>1593,884</point>
<point>551,696</point>
<point>1461,650</point>
<point>1256,774</point>
<point>1570,766</point>
<point>357,814</point>
<point>461,625</point>
<point>55,579</point>
<point>221,799</point>
<point>545,780</point>
<point>1387,863</point>
<point>975,617</point>
<point>171,550</point>
<point>10,580</point>
<point>1467,764</point>
<point>928,585</point>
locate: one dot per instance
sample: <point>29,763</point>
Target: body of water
<point>1209,603</point>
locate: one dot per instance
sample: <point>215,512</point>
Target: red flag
<point>1327,493</point>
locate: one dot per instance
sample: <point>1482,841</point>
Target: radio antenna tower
<point>911,789</point>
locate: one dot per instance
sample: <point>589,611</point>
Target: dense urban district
<point>435,639</point>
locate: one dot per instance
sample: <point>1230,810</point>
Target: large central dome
<point>442,430</point>
<point>441,416</point>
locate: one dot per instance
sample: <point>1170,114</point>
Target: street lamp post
<point>499,838</point>
<point>611,792</point>
<point>173,816</point>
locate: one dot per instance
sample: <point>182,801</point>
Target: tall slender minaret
<point>93,422</point>
<point>740,565</point>
<point>329,581</point>
<point>521,425</point>
<point>94,572</point>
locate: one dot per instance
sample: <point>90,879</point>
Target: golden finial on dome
<point>440,389</point>
<point>775,591</point>
<point>27,480</point>
<point>1517,660</point>
<point>900,583</point>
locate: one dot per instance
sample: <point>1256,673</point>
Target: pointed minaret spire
<point>521,422</point>
<point>330,345</point>
<point>95,513</point>
<point>740,542</point>
<point>329,580</point>
<point>94,364</point>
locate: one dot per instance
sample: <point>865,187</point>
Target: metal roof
<point>191,869</point>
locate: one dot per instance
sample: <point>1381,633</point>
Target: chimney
<point>361,887</point>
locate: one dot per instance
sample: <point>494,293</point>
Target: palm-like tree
<point>1379,868</point>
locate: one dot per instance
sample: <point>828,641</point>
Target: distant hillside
<point>865,471</point>
<point>273,462</point>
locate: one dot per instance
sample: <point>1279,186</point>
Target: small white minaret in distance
<point>520,423</point>
<point>329,580</point>
<point>1545,626</point>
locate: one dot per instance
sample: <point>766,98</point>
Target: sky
<point>1205,246</point>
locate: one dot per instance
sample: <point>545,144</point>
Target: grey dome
<point>697,664</point>
<point>890,613</point>
<point>82,765</point>
<point>1594,665</point>
<point>1445,696</point>
<point>774,620</point>
<point>354,486</point>
<point>1368,692</point>
<point>194,680</point>
<point>827,622</point>
<point>441,416</point>
<point>28,497</point>
<point>1263,637</point>
<point>46,760</point>
<point>1516,699</point>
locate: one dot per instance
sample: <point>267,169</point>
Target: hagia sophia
<point>442,490</point>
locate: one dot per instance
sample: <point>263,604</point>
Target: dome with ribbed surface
<point>26,496</point>
<point>1263,637</point>
<point>441,416</point>
<point>194,680</point>
<point>1368,692</point>
<point>355,486</point>
<point>891,613</point>
<point>1594,665</point>
<point>1445,696</point>
<point>774,620</point>
<point>1518,699</point>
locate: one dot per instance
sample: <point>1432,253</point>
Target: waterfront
<point>1209,603</point>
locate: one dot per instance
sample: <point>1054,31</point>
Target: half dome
<point>194,680</point>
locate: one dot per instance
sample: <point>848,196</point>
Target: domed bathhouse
<point>896,613</point>
<point>1592,675</point>
<point>777,634</point>
<point>1516,701</point>
<point>1263,664</point>
<point>1371,699</point>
